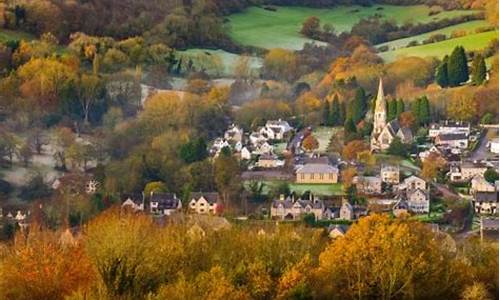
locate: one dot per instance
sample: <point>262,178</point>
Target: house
<point>269,161</point>
<point>203,203</point>
<point>413,182</point>
<point>495,146</point>
<point>164,204</point>
<point>317,173</point>
<point>263,148</point>
<point>390,174</point>
<point>257,138</point>
<point>433,150</point>
<point>384,131</point>
<point>346,211</point>
<point>291,209</point>
<point>449,127</point>
<point>418,201</point>
<point>234,134</point>
<point>219,143</point>
<point>485,202</point>
<point>337,230</point>
<point>245,154</point>
<point>452,140</point>
<point>133,201</point>
<point>368,185</point>
<point>280,129</point>
<point>479,184</point>
<point>466,170</point>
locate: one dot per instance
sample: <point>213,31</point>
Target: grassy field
<point>468,27</point>
<point>228,59</point>
<point>323,135</point>
<point>470,42</point>
<point>271,29</point>
<point>317,189</point>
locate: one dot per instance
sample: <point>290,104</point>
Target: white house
<point>234,134</point>
<point>280,129</point>
<point>449,127</point>
<point>418,201</point>
<point>413,182</point>
<point>164,204</point>
<point>346,211</point>
<point>495,146</point>
<point>291,209</point>
<point>390,174</point>
<point>452,140</point>
<point>245,154</point>
<point>133,201</point>
<point>263,148</point>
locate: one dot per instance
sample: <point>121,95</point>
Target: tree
<point>88,90</point>
<point>478,70</point>
<point>155,187</point>
<point>407,119</point>
<point>335,118</point>
<point>347,176</point>
<point>424,112</point>
<point>476,291</point>
<point>358,106</point>
<point>349,127</point>
<point>327,120</point>
<point>25,153</point>
<point>352,269</point>
<point>457,67</point>
<point>280,64</point>
<point>462,106</point>
<point>392,110</point>
<point>353,148</point>
<point>442,73</point>
<point>194,150</point>
<point>431,165</point>
<point>310,143</point>
<point>281,188</point>
<point>400,107</point>
<point>310,27</point>
<point>227,176</point>
<point>491,175</point>
<point>397,148</point>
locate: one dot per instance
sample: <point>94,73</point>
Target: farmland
<point>299,189</point>
<point>470,42</point>
<point>271,29</point>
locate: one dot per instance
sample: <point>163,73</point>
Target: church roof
<point>380,102</point>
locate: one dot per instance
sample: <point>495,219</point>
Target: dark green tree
<point>336,112</point>
<point>358,106</point>
<point>397,147</point>
<point>326,113</point>
<point>415,109</point>
<point>194,150</point>
<point>424,111</point>
<point>349,127</point>
<point>442,73</point>
<point>478,70</point>
<point>457,67</point>
<point>400,107</point>
<point>391,110</point>
<point>343,114</point>
<point>491,175</point>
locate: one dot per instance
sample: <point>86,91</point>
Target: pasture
<point>335,189</point>
<point>280,29</point>
<point>470,42</point>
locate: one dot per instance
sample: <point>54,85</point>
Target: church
<point>384,132</point>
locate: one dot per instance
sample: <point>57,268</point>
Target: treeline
<point>377,30</point>
<point>123,256</point>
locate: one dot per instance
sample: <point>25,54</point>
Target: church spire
<point>380,102</point>
<point>380,116</point>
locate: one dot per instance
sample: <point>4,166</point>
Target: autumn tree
<point>352,148</point>
<point>227,179</point>
<point>89,91</point>
<point>310,143</point>
<point>478,70</point>
<point>462,106</point>
<point>311,26</point>
<point>432,165</point>
<point>280,64</point>
<point>407,119</point>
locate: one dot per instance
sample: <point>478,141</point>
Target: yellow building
<point>317,173</point>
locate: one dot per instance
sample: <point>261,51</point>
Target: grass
<point>6,34</point>
<point>271,29</point>
<point>227,59</point>
<point>298,188</point>
<point>470,42</point>
<point>468,27</point>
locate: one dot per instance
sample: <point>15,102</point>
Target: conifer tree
<point>415,109</point>
<point>457,67</point>
<point>391,110</point>
<point>326,113</point>
<point>442,73</point>
<point>349,127</point>
<point>400,107</point>
<point>343,114</point>
<point>478,70</point>
<point>335,112</point>
<point>358,106</point>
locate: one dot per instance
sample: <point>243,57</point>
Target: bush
<point>383,48</point>
<point>5,188</point>
<point>438,37</point>
<point>412,44</point>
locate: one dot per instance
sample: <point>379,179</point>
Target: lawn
<point>324,136</point>
<point>468,27</point>
<point>271,29</point>
<point>228,60</point>
<point>470,42</point>
<point>298,188</point>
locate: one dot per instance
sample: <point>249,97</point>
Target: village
<point>306,182</point>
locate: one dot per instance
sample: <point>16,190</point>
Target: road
<point>482,152</point>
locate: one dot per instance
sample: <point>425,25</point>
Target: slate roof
<point>318,168</point>
<point>211,197</point>
<point>289,203</point>
<point>452,136</point>
<point>486,196</point>
<point>137,198</point>
<point>165,200</point>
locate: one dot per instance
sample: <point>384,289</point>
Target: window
<point>302,176</point>
<point>321,176</point>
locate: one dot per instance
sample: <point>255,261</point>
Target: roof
<point>390,168</point>
<point>211,197</point>
<point>394,126</point>
<point>267,156</point>
<point>289,203</point>
<point>406,132</point>
<point>165,200</point>
<point>317,168</point>
<point>413,177</point>
<point>486,196</point>
<point>471,164</point>
<point>449,123</point>
<point>490,224</point>
<point>137,198</point>
<point>452,136</point>
<point>278,123</point>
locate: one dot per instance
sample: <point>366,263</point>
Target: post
<point>481,229</point>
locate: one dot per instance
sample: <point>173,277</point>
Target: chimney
<point>282,197</point>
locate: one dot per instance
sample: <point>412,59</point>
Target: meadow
<point>470,42</point>
<point>271,29</point>
<point>335,189</point>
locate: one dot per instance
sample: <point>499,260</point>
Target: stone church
<point>384,132</point>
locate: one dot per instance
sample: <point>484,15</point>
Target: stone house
<point>452,140</point>
<point>485,202</point>
<point>317,173</point>
<point>203,203</point>
<point>291,209</point>
<point>368,185</point>
<point>390,174</point>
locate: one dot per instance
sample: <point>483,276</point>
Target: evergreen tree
<point>457,67</point>
<point>342,113</point>
<point>358,106</point>
<point>397,148</point>
<point>349,127</point>
<point>442,73</point>
<point>391,110</point>
<point>424,111</point>
<point>400,107</point>
<point>478,70</point>
<point>335,112</point>
<point>326,113</point>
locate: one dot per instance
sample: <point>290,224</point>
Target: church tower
<point>380,114</point>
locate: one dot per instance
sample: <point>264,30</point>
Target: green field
<point>6,35</point>
<point>469,27</point>
<point>323,135</point>
<point>470,42</point>
<point>228,60</point>
<point>317,189</point>
<point>272,29</point>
